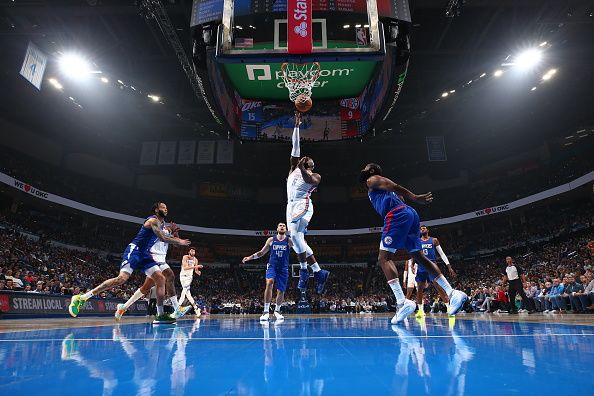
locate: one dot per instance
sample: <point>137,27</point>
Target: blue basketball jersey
<point>146,238</point>
<point>428,248</point>
<point>384,201</point>
<point>279,252</point>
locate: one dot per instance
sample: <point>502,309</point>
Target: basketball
<point>303,103</point>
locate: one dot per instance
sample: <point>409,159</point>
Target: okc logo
<point>301,29</point>
<point>388,240</point>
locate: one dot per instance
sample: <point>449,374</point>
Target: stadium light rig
<point>75,66</point>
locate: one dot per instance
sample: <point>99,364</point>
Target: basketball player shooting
<point>301,182</point>
<point>401,231</point>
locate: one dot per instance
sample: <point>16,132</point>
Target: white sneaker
<point>120,311</point>
<point>545,311</point>
<point>265,317</point>
<point>278,316</point>
<point>406,309</point>
<point>457,300</point>
<point>197,312</point>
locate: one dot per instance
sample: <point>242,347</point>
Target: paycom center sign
<point>264,81</point>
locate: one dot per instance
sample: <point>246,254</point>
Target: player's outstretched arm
<point>154,225</point>
<point>260,252</point>
<point>377,182</point>
<point>296,150</point>
<point>444,257</point>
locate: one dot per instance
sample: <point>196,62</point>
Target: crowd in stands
<point>555,253</point>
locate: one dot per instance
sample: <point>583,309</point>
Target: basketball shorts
<point>160,258</point>
<point>280,274</point>
<point>298,210</point>
<point>134,259</point>
<point>423,275</point>
<point>186,280</point>
<point>401,230</point>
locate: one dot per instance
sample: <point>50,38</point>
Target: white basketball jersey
<point>190,272</point>
<point>160,247</point>
<point>297,188</point>
<point>412,270</point>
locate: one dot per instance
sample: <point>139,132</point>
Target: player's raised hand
<point>302,162</point>
<point>424,199</point>
<point>183,242</point>
<point>297,118</point>
<point>451,271</point>
<point>245,259</point>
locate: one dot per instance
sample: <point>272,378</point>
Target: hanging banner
<point>225,152</point>
<point>436,148</point>
<point>206,149</point>
<point>187,152</point>
<point>167,153</point>
<point>299,27</point>
<point>34,65</point>
<point>148,153</point>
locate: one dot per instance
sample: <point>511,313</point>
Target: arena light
<point>104,80</point>
<point>445,94</point>
<point>74,66</point>
<point>533,89</point>
<point>498,73</point>
<point>548,75</point>
<point>483,75</point>
<point>56,84</point>
<point>542,44</point>
<point>346,26</point>
<point>154,98</point>
<point>452,91</point>
<point>528,58</point>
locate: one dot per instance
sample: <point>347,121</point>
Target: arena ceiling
<point>447,53</point>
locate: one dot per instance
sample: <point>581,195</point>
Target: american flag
<point>244,43</point>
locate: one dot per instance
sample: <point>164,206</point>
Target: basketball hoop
<point>300,78</point>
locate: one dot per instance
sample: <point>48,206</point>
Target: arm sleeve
<point>296,151</point>
<point>442,254</point>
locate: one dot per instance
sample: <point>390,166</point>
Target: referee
<point>516,286</point>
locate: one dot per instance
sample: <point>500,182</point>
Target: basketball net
<point>300,78</point>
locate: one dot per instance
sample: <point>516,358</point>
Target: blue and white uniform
<point>401,222</point>
<point>159,252</point>
<point>137,254</point>
<point>278,263</point>
<point>428,248</point>
<point>299,205</point>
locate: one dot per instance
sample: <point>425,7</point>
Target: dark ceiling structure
<point>447,52</point>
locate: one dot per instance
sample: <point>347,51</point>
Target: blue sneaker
<point>303,278</point>
<point>321,277</point>
<point>457,300</point>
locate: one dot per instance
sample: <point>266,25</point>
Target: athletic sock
<point>159,310</point>
<point>315,267</point>
<point>174,302</point>
<point>266,308</point>
<point>87,295</point>
<point>445,285</point>
<point>277,308</point>
<point>137,294</point>
<point>397,289</point>
<point>303,265</point>
<point>421,307</point>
